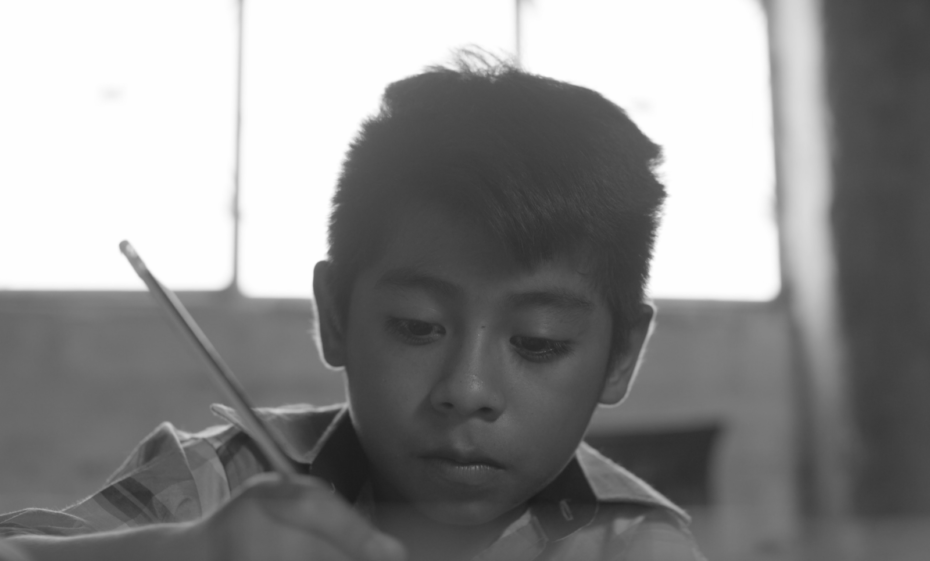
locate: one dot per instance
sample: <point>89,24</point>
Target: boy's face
<point>471,380</point>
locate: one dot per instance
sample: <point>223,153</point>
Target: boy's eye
<point>414,331</point>
<point>538,349</point>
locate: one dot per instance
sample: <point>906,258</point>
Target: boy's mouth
<point>467,469</point>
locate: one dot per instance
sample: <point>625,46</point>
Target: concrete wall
<point>84,377</point>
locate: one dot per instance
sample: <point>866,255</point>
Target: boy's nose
<point>470,385</point>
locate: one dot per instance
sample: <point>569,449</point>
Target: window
<point>120,125</point>
<point>694,75</point>
<point>308,92</point>
<point>116,122</point>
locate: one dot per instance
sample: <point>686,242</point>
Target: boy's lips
<point>463,468</point>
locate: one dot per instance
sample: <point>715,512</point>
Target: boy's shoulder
<point>633,521</point>
<point>612,483</point>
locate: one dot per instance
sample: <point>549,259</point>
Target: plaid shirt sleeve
<point>171,476</point>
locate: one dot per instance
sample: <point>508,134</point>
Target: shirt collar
<point>324,441</point>
<point>321,440</point>
<point>612,483</point>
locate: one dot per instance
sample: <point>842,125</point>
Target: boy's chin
<point>472,513</point>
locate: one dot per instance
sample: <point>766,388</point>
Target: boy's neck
<point>429,540</point>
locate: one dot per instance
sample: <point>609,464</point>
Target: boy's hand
<point>282,519</point>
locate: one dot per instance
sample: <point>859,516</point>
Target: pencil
<point>222,375</point>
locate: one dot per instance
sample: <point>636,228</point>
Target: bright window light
<point>695,76</point>
<point>315,71</point>
<point>117,122</point>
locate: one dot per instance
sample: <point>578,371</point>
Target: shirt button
<point>566,510</point>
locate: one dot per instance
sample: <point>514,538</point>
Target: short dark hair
<point>545,166</point>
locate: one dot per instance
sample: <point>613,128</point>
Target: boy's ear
<point>330,325</point>
<point>622,368</point>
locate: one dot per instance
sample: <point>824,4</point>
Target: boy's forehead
<point>429,246</point>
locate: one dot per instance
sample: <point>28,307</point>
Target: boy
<point>489,243</point>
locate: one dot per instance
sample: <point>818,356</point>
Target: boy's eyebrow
<point>552,298</point>
<point>406,277</point>
<point>555,297</point>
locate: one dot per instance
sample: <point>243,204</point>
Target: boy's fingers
<point>311,505</point>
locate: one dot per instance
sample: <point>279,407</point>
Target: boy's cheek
<point>384,373</point>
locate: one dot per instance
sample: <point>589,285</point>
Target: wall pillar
<point>878,84</point>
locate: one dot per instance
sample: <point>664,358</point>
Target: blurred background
<point>783,400</point>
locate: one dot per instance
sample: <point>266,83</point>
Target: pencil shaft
<point>222,374</point>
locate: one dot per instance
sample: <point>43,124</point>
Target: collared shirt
<point>594,510</point>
